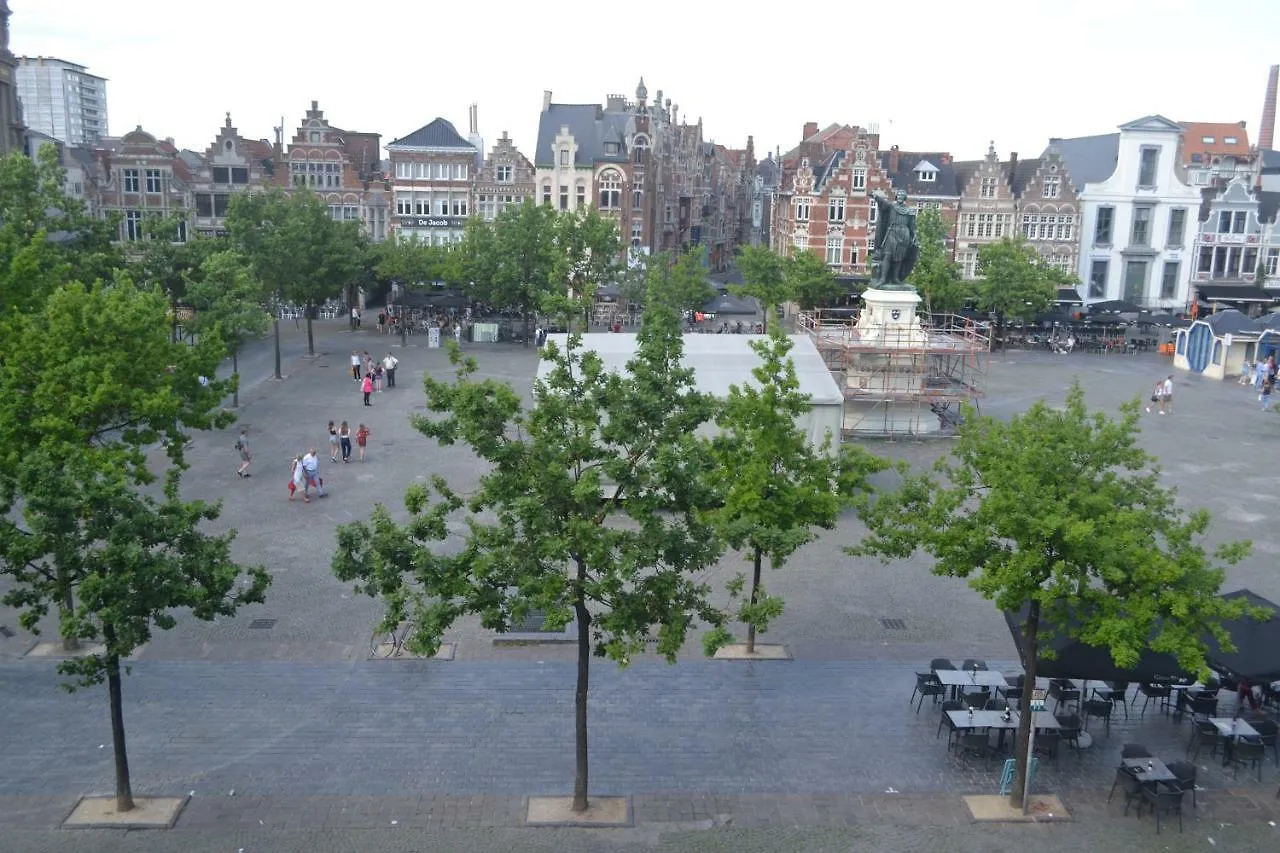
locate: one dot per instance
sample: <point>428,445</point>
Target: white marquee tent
<point>719,361</point>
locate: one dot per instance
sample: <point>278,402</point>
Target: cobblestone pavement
<point>788,756</point>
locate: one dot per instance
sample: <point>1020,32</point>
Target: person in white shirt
<point>355,365</point>
<point>1166,396</point>
<point>311,467</point>
<point>389,365</point>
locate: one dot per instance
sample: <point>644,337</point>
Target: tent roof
<point>1076,659</point>
<point>718,361</point>
<point>1257,654</point>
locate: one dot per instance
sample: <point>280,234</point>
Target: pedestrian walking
<point>378,377</point>
<point>1157,396</point>
<point>311,470</point>
<point>1268,386</point>
<point>390,363</point>
<point>1166,396</point>
<point>366,387</point>
<point>298,480</point>
<point>362,439</point>
<point>355,363</point>
<point>333,442</point>
<point>344,440</point>
<point>242,445</point>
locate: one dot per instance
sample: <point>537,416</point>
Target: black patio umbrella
<point>1162,318</point>
<point>726,304</point>
<point>1114,306</point>
<point>1076,659</point>
<point>1257,655</point>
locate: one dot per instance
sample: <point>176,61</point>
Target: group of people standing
<point>377,373</point>
<point>1262,375</point>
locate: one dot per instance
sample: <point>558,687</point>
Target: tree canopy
<point>228,303</point>
<point>764,276</point>
<point>810,282</point>
<point>1061,511</point>
<point>935,275</point>
<point>1016,283</point>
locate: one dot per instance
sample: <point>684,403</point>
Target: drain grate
<point>262,624</point>
<point>6,632</point>
<point>534,622</point>
<point>893,624</point>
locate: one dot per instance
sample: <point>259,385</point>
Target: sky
<point>934,76</point>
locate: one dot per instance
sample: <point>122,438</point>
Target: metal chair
<point>975,743</point>
<point>1069,728</point>
<point>1158,692</point>
<point>1132,787</point>
<point>1247,752</point>
<point>945,720</point>
<point>940,663</point>
<point>971,663</point>
<point>927,685</point>
<point>1100,708</point>
<point>1204,734</point>
<point>1063,691</point>
<point>1115,691</point>
<point>1046,744</point>
<point>1185,773</point>
<point>1266,730</point>
<point>1164,800</point>
<point>1134,750</point>
<point>976,698</point>
<point>1014,689</point>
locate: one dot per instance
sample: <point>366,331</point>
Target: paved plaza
<point>327,750</point>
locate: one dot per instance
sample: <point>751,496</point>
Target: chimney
<point>1266,134</point>
<point>1013,167</point>
<point>893,160</point>
<point>546,100</point>
<point>810,129</point>
<point>474,119</point>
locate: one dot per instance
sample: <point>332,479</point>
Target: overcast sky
<point>933,75</point>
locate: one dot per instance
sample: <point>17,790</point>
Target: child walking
<point>362,438</point>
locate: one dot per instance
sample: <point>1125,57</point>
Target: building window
<point>564,197</point>
<point>442,205</point>
<point>131,180</point>
<point>1140,235</point>
<point>1205,262</point>
<point>873,213</point>
<point>580,194</point>
<point>1207,140</point>
<point>1238,221</point>
<point>1098,279</point>
<point>1230,140</point>
<point>1177,226</point>
<point>1273,262</point>
<point>221,175</point>
<point>835,210</point>
<point>926,176</point>
<point>610,190</point>
<point>239,175</point>
<point>1102,228</point>
<point>153,181</point>
<point>460,206</point>
<point>987,188</point>
<point>204,205</point>
<point>835,251</point>
<point>637,232</point>
<point>1169,280</point>
<point>546,192</point>
<point>969,265</point>
<point>802,210</point>
<point>1249,266</point>
<point>133,225</point>
<point>859,180</point>
<point>404,204</point>
<point>637,199</point>
<point>1149,158</point>
<point>503,174</point>
<point>404,170</point>
<point>1052,186</point>
<point>460,171</point>
<point>800,241</point>
<point>564,156</point>
<point>314,136</point>
<point>1135,281</point>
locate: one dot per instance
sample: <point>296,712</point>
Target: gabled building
<point>1215,153</point>
<point>763,187</point>
<point>929,178</point>
<point>1235,246</point>
<point>229,165</point>
<point>1137,209</point>
<point>505,180</point>
<point>140,176</point>
<point>988,209</point>
<point>342,167</point>
<point>433,170</point>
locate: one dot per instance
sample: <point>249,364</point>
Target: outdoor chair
<point>1158,692</point>
<point>1134,750</point>
<point>970,663</point>
<point>1115,691</point>
<point>1130,785</point>
<point>927,685</point>
<point>1014,690</point>
<point>1266,730</point>
<point>1204,734</point>
<point>1164,801</point>
<point>1249,753</point>
<point>1099,708</point>
<point>1185,773</point>
<point>1069,731</point>
<point>976,698</point>
<point>975,743</point>
<point>940,663</point>
<point>1046,744</point>
<point>946,721</point>
<point>1063,691</point>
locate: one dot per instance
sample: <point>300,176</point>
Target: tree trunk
<point>580,694</point>
<point>755,593</point>
<point>235,376</point>
<point>525,318</point>
<point>764,327</point>
<point>1030,633</point>
<point>124,791</point>
<point>311,340</point>
<point>277,327</point>
<point>70,642</point>
<point>173,312</point>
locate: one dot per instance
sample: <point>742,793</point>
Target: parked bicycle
<point>391,644</point>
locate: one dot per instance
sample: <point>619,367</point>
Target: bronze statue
<point>896,247</point>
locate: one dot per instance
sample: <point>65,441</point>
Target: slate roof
<point>1268,205</point>
<point>591,126</point>
<point>767,169</point>
<point>826,169</point>
<point>905,177</point>
<point>1089,159</point>
<point>1270,158</point>
<point>965,170</point>
<point>438,134</point>
<point>1023,172</point>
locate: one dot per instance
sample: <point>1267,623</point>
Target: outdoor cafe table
<point>956,678</point>
<point>1232,730</point>
<point>1158,772</point>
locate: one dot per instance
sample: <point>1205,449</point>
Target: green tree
<point>1016,283</point>
<point>764,276</point>
<point>528,260</point>
<point>82,528</point>
<point>1059,511</point>
<point>228,302</point>
<point>810,281</point>
<point>772,485</point>
<point>593,249</point>
<point>935,275</point>
<point>165,258</point>
<point>295,249</point>
<point>46,236</point>
<point>681,280</point>
<point>540,536</point>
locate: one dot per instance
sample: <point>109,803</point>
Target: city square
<point>282,727</point>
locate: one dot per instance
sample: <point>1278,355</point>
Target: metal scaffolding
<point>903,381</point>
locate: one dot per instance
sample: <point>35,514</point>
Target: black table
<point>1157,772</point>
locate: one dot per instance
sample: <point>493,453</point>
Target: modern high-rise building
<point>62,99</point>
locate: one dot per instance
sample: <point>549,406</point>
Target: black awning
<point>1073,658</point>
<point>1233,293</point>
<point>1068,296</point>
<point>1257,654</point>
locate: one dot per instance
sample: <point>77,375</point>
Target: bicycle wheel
<point>383,644</point>
<point>402,636</point>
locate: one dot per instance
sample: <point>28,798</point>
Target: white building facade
<point>62,99</point>
<point>1138,227</point>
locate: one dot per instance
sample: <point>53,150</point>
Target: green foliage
<point>764,276</point>
<point>160,260</point>
<point>935,275</point>
<point>527,264</point>
<point>47,237</point>
<point>680,283</point>
<point>228,303</point>
<point>540,536</point>
<point>810,282</point>
<point>410,262</point>
<point>592,247</point>
<point>1015,282</point>
<point>773,487</point>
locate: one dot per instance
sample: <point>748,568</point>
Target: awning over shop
<point>1068,296</point>
<point>1234,293</point>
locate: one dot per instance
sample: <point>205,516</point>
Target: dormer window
<point>564,156</point>
<point>1207,140</point>
<point>314,136</point>
<point>611,148</point>
<point>926,176</point>
<point>1230,140</point>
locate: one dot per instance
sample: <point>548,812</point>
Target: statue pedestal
<point>886,375</point>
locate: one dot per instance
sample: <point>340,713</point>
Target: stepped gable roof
<point>1022,173</point>
<point>1089,159</point>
